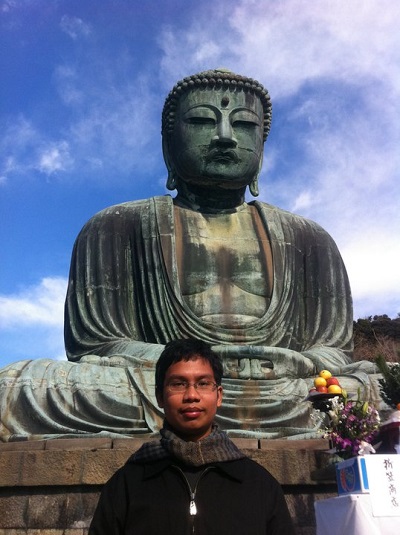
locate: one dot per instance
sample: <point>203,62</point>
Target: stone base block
<point>52,487</point>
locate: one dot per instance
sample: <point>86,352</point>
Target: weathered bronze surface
<point>267,288</point>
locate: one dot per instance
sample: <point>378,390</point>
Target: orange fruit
<point>319,381</point>
<point>334,389</point>
<point>325,374</point>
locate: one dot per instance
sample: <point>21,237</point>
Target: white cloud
<point>303,202</point>
<point>36,305</point>
<point>17,134</point>
<point>32,322</point>
<point>291,42</point>
<point>68,84</point>
<point>301,42</point>
<point>54,158</point>
<point>26,149</point>
<point>116,128</point>
<point>110,128</point>
<point>19,138</point>
<point>372,261</point>
<point>74,27</point>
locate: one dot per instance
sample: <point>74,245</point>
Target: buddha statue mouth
<point>223,156</point>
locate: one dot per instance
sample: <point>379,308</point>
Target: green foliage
<point>376,326</point>
<point>377,335</point>
<point>390,383</point>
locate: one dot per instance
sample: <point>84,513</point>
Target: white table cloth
<point>351,514</point>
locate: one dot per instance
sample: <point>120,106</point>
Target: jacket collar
<point>233,469</point>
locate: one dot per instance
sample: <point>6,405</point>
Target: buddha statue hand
<point>263,362</point>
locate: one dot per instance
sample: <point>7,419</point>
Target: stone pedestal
<point>52,487</point>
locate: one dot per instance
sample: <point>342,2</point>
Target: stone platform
<point>52,487</point>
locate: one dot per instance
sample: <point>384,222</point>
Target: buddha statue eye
<point>245,119</point>
<point>244,124</point>
<point>209,121</point>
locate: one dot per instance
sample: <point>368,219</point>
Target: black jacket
<point>232,498</point>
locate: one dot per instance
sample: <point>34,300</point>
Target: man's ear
<point>159,398</point>
<point>219,396</point>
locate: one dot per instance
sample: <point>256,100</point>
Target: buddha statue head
<point>214,125</point>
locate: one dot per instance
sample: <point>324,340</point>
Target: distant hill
<point>377,335</point>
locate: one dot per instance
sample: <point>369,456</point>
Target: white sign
<point>384,484</point>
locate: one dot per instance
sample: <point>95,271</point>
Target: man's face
<point>218,138</point>
<point>190,413</point>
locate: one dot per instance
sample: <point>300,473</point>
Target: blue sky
<point>82,88</point>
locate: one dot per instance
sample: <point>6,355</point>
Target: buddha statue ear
<point>253,186</point>
<point>172,178</point>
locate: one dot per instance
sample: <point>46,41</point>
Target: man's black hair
<point>186,349</point>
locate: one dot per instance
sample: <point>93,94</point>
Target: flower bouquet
<point>354,424</point>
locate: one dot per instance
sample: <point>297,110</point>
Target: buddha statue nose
<point>224,135</point>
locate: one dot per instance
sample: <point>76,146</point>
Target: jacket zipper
<point>192,493</point>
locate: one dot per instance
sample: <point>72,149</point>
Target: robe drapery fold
<point>124,304</point>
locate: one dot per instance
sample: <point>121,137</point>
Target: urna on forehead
<point>222,98</point>
<point>225,99</point>
<point>223,82</point>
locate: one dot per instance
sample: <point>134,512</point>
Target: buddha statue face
<point>217,139</point>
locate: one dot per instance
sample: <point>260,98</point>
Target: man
<point>194,480</point>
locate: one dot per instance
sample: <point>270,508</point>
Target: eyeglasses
<point>182,386</point>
